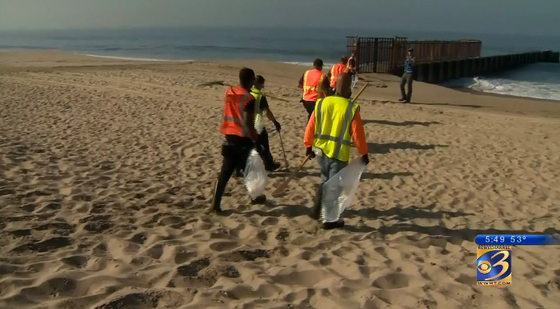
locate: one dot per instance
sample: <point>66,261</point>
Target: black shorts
<point>309,106</point>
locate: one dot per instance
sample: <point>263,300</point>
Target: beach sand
<point>107,168</point>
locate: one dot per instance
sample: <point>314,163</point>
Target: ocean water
<point>537,80</point>
<point>296,46</point>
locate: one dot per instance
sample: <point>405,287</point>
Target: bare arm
<point>266,109</point>
<point>300,83</point>
<point>249,119</point>
<point>270,115</point>
<point>326,85</point>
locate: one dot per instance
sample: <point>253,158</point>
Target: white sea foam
<point>135,59</point>
<point>309,64</point>
<point>527,89</point>
<point>539,80</point>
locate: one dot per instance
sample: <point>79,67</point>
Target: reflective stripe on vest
<point>335,145</point>
<point>257,94</point>
<point>258,112</point>
<point>233,123</point>
<point>312,85</point>
<point>336,70</point>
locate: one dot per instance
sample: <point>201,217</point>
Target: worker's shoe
<point>402,99</point>
<point>316,210</point>
<point>333,225</point>
<point>261,199</point>
<point>273,167</point>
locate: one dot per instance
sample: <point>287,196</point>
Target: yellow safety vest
<point>258,112</point>
<point>333,119</point>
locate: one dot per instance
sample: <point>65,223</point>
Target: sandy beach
<point>107,166</point>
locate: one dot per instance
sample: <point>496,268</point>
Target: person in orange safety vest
<point>315,86</point>
<point>238,126</point>
<point>352,69</point>
<point>336,70</point>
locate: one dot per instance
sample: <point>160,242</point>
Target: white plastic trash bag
<point>255,175</point>
<point>339,191</point>
<point>354,80</point>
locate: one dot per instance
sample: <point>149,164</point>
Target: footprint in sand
<point>183,150</point>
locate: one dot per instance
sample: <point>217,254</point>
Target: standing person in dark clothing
<point>238,126</point>
<point>407,76</point>
<point>315,86</point>
<point>261,106</point>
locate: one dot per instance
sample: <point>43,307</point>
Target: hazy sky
<point>488,16</point>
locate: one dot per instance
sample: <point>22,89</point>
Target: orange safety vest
<point>348,66</point>
<point>313,85</point>
<point>336,70</point>
<point>235,100</point>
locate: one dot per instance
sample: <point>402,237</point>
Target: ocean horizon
<point>289,45</point>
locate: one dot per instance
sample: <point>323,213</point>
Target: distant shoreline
<point>424,94</point>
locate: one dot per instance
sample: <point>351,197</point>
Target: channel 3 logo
<point>493,265</point>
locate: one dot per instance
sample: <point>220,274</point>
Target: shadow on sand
<point>395,213</point>
<point>386,148</point>
<point>314,172</point>
<point>440,231</point>
<point>401,124</point>
<point>401,214</point>
<point>374,149</point>
<point>449,104</point>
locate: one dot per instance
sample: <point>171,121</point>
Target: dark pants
<point>235,158</point>
<point>266,155</point>
<point>406,79</point>
<point>309,107</point>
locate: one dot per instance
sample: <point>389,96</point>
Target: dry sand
<point>106,172</point>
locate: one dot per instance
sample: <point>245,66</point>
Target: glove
<point>309,152</point>
<point>277,125</point>
<point>365,159</point>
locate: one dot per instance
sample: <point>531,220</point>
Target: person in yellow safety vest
<point>261,106</point>
<point>335,122</point>
<point>336,70</point>
<point>315,86</point>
